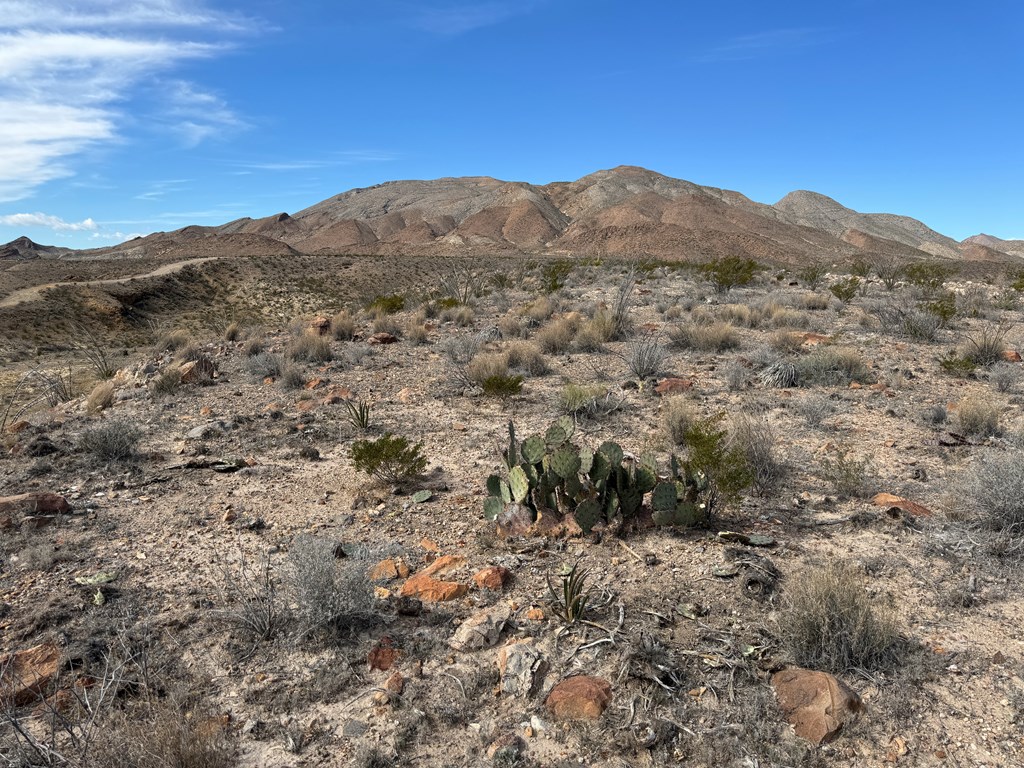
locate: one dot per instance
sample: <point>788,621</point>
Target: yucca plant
<point>571,601</point>
<point>358,414</point>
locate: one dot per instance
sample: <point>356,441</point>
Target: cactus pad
<point>519,484</point>
<point>533,449</point>
<point>663,497</point>
<point>587,515</point>
<point>565,462</point>
<point>493,507</point>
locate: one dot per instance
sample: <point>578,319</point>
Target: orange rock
<point>338,395</point>
<point>816,704</point>
<point>382,338</point>
<point>579,698</point>
<point>395,684</point>
<point>535,614</point>
<point>1011,355</point>
<point>814,339</point>
<point>315,383</point>
<point>383,656</point>
<point>197,370</point>
<point>390,569</point>
<point>206,411</point>
<point>425,586</point>
<point>856,385</point>
<point>18,426</point>
<point>494,578</point>
<point>34,503</point>
<point>405,395</point>
<point>673,386</point>
<point>321,325</point>
<point>428,545</point>
<point>305,406</point>
<point>889,501</point>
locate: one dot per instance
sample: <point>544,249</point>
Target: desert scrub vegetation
<point>538,311</point>
<point>716,337</point>
<point>757,439</point>
<point>309,347</point>
<point>645,355</point>
<point>526,357</point>
<point>265,365</point>
<point>829,621</point>
<point>848,475</point>
<point>986,345</point>
<point>172,341</point>
<point>343,326</point>
<point>100,397</point>
<point>557,336</point>
<point>677,415</point>
<point>390,458</point>
<point>730,272</point>
<point>331,594</point>
<point>832,366</point>
<point>990,494</point>
<point>113,441</point>
<point>584,399</point>
<point>389,304</point>
<point>978,416</point>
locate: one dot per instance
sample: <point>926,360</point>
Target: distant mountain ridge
<point>620,211</point>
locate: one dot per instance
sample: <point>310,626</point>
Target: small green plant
<point>812,276</point>
<point>554,274</point>
<point>710,451</point>
<point>502,385</point>
<point>387,305</point>
<point>390,458</point>
<point>845,289</point>
<point>730,272</point>
<point>860,268</point>
<point>956,365</point>
<point>847,475</point>
<point>358,414</point>
<point>943,307</point>
<point>571,600</point>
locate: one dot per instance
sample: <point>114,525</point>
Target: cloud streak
<point>64,77</point>
<point>762,44</point>
<point>454,19</point>
<point>56,223</point>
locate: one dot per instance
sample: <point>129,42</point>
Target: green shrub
<point>847,475</point>
<point>943,307</point>
<point>710,450</point>
<point>812,276</point>
<point>387,305</point>
<point>956,365</point>
<point>554,274</point>
<point>390,458</point>
<point>845,289</point>
<point>501,385</point>
<point>729,272</point>
<point>929,276</point>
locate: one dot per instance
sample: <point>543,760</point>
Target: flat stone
<point>671,386</point>
<point>522,668</point>
<point>494,578</point>
<point>816,704</point>
<point>382,338</point>
<point>34,503</point>
<point>481,630</point>
<point>889,501</point>
<point>26,675</point>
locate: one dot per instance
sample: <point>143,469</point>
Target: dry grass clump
<point>741,314</point>
<point>716,337</point>
<point>265,365</point>
<point>814,301</point>
<point>830,622</point>
<point>343,326</point>
<point>101,397</point>
<point>172,341</point>
<point>252,347</point>
<point>787,317</point>
<point>233,332</point>
<point>538,311</point>
<point>677,415</point>
<point>986,345</point>
<point>978,416</point>
<point>511,327</point>
<point>833,366</point>
<point>583,399</point>
<point>461,315</point>
<point>330,594</point>
<point>1004,376</point>
<point>486,365</point>
<point>310,347</point>
<point>416,331</point>
<point>557,336</point>
<point>786,342</point>
<point>525,356</point>
<point>758,441</point>
<point>292,377</point>
<point>385,323</point>
<point>814,409</point>
<point>166,382</point>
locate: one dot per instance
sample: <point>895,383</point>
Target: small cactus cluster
<point>550,475</point>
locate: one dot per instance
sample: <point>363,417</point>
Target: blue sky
<point>124,118</point>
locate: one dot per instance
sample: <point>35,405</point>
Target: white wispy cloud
<point>56,223</point>
<point>66,73</point>
<point>345,157</point>
<point>767,43</point>
<point>457,18</point>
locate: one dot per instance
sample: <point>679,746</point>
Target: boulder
<point>34,503</point>
<point>816,704</point>
<point>579,698</point>
<point>195,371</point>
<point>382,338</point>
<point>889,501</point>
<point>321,325</point>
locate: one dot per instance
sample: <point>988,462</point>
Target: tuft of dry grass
<point>101,397</point>
<point>310,347</point>
<point>525,356</point>
<point>830,622</point>
<point>677,415</point>
<point>486,365</point>
<point>557,336</point>
<point>343,326</point>
<point>716,337</point>
<point>978,416</point>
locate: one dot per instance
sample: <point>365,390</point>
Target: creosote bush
<point>386,305</point>
<point>730,272</point>
<point>829,622</point>
<point>390,458</point>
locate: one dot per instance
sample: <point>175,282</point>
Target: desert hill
<point>621,211</point>
<point>23,248</point>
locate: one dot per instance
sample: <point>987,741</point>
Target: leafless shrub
<point>757,439</point>
<point>1005,376</point>
<point>677,414</point>
<point>250,600</point>
<point>461,349</point>
<point>332,594</point>
<point>814,409</point>
<point>978,416</point>
<point>991,493</point>
<point>111,441</point>
<point>645,356</point>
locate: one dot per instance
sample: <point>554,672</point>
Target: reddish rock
<point>382,338</point>
<point>338,395</point>
<point>383,655</point>
<point>509,747</point>
<point>535,614</point>
<point>816,704</point>
<point>195,371</point>
<point>321,325</point>
<point>405,395</point>
<point>26,675</point>
<point>389,570</point>
<point>579,698</point>
<point>425,586</point>
<point>18,426</point>
<point>1011,355</point>
<point>889,501</point>
<point>395,684</point>
<point>493,578</point>
<point>305,406</point>
<point>315,383</point>
<point>814,339</point>
<point>672,386</point>
<point>429,546</point>
<point>34,503</point>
